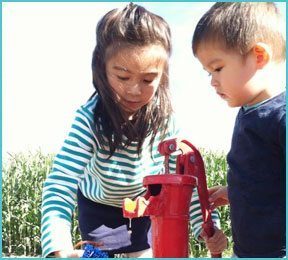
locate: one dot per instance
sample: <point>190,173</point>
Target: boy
<point>240,45</point>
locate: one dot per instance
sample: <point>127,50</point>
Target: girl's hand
<point>218,196</point>
<point>74,253</point>
<point>217,243</point>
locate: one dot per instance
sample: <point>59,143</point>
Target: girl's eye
<point>209,74</point>
<point>148,81</point>
<point>123,78</point>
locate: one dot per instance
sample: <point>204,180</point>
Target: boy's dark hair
<point>240,25</point>
<point>118,29</point>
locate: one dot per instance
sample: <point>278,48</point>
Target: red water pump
<point>168,197</point>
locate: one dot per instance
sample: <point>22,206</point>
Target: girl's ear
<point>263,54</point>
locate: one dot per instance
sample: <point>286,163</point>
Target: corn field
<point>22,180</point>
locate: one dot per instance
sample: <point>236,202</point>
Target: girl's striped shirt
<point>82,163</point>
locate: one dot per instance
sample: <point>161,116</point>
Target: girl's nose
<point>134,89</point>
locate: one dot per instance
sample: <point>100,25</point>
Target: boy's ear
<point>262,53</point>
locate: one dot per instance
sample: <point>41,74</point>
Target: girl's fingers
<point>69,253</point>
<point>76,253</point>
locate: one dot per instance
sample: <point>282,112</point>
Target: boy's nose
<point>214,82</point>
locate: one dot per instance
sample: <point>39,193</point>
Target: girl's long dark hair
<point>132,26</point>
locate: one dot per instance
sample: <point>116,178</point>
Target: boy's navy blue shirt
<point>257,179</point>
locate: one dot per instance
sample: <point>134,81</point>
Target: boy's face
<point>231,74</point>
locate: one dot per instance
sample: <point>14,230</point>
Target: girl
<point>113,141</point>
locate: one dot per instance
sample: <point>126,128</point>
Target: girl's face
<point>135,75</point>
<point>232,75</point>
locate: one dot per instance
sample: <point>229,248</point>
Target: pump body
<point>169,213</point>
<point>168,197</point>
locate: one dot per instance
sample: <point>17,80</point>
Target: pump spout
<point>134,208</point>
<point>141,206</point>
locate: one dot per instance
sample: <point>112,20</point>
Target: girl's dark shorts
<point>106,224</point>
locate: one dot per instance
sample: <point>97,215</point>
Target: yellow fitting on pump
<point>129,205</point>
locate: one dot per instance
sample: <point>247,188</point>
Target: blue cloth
<point>93,252</point>
<point>257,179</point>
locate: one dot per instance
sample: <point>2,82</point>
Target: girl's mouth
<point>133,105</point>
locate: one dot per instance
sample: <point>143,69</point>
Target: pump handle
<point>192,163</point>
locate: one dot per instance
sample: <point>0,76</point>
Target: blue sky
<point>47,50</point>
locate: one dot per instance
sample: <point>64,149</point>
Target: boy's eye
<point>214,70</point>
<point>123,78</point>
<point>218,69</point>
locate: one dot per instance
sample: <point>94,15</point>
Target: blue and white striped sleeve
<point>60,187</point>
<point>196,219</point>
<point>174,132</point>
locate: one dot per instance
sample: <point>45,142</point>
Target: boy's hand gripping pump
<point>167,200</point>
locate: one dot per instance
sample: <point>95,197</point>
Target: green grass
<point>22,179</point>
